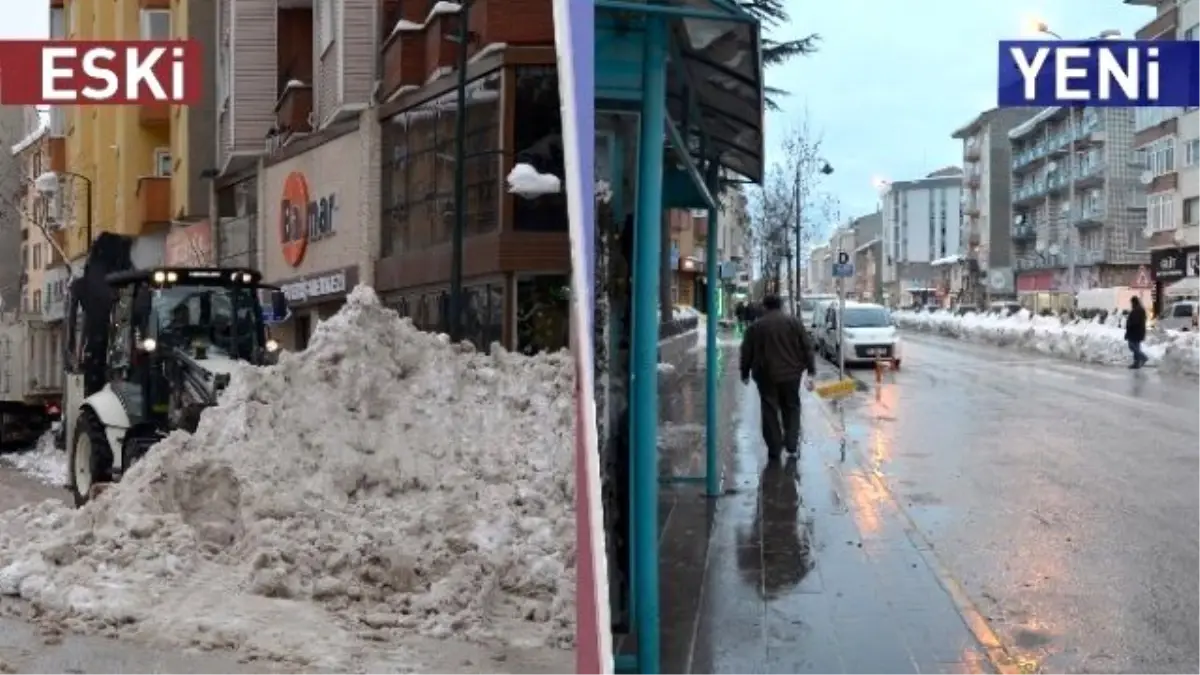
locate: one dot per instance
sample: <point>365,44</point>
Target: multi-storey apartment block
<point>1101,233</point>
<point>921,224</point>
<point>516,251</point>
<point>1168,152</point>
<point>985,251</point>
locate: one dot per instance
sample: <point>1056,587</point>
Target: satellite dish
<point>1052,167</point>
<point>1020,218</point>
<point>1066,207</point>
<point>996,279</point>
<point>1041,247</point>
<point>1054,249</point>
<point>1147,232</point>
<point>1146,178</point>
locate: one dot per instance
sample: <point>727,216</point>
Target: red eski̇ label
<point>75,72</point>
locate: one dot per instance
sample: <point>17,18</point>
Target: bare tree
<point>791,210</point>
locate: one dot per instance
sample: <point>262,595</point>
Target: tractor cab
<point>163,345</point>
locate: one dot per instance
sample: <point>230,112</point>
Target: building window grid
<point>418,179</point>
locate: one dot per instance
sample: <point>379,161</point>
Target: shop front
<point>1169,267</point>
<point>315,229</point>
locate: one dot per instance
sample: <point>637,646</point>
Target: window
<point>37,302</point>
<point>37,256</point>
<point>1191,211</point>
<point>1145,118</point>
<point>325,23</point>
<point>1181,310</point>
<point>1160,156</point>
<point>162,162</point>
<point>1191,152</point>
<point>156,24</point>
<point>58,24</point>
<point>1160,212</point>
<point>418,169</point>
<point>538,118</point>
<point>1192,32</point>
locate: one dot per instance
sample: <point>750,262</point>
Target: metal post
<point>644,357</point>
<point>841,327</point>
<point>712,475</point>
<point>460,177</point>
<point>799,231</point>
<point>1071,201</point>
<point>88,184</point>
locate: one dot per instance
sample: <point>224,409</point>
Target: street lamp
<point>1072,163</point>
<point>826,169</point>
<point>463,38</point>
<point>49,183</point>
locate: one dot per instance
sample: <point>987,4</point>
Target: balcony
<point>1090,174</point>
<point>1024,233</point>
<point>154,115</point>
<point>1162,27</point>
<point>973,179</point>
<point>1090,218</point>
<point>972,152</point>
<point>293,111</point>
<point>154,201</point>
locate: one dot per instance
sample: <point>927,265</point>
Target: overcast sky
<point>893,80</point>
<point>25,19</point>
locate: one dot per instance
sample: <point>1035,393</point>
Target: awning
<point>1188,287</point>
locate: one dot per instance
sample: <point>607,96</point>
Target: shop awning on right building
<point>1188,287</point>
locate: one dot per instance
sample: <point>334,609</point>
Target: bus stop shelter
<point>679,113</point>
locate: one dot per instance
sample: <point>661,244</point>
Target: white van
<point>868,331</point>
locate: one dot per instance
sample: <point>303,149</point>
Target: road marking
<point>999,655</point>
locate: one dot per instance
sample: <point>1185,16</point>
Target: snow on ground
<point>384,488</point>
<point>44,462</point>
<point>1090,341</point>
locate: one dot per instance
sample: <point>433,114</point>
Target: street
<point>1063,497</point>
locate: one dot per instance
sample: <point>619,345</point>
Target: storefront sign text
<point>303,218</point>
<point>320,287</point>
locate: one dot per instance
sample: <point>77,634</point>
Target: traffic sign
<point>843,258</point>
<point>843,270</point>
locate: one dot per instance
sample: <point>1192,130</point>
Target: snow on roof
<point>406,26</point>
<point>33,137</point>
<point>948,260</point>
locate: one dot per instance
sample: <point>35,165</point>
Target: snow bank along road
<point>1062,496</point>
<point>382,502</point>
<point>1080,340</point>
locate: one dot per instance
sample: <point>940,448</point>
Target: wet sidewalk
<point>804,566</point>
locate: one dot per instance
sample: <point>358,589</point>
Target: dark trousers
<point>780,402</point>
<point>1135,346</point>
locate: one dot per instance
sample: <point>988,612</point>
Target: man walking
<point>776,351</point>
<point>1135,332</point>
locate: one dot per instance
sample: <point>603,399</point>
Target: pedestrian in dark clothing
<point>776,352</point>
<point>740,313</point>
<point>1135,332</point>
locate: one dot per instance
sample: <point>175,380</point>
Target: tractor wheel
<point>90,461</point>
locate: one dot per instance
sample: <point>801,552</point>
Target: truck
<point>1111,299</point>
<point>30,381</point>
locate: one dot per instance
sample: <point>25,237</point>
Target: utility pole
<point>460,176</point>
<point>1071,217</point>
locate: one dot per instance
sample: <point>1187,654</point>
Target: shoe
<point>793,451</point>
<point>1135,365</point>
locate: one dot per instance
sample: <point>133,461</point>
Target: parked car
<point>809,304</point>
<point>1004,308</point>
<point>868,334</point>
<point>1181,316</point>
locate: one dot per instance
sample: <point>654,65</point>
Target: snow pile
<point>44,461</point>
<point>380,486</point>
<point>1090,341</point>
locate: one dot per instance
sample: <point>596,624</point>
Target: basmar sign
<point>303,219</point>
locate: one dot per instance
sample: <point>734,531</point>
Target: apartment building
<point>867,257</point>
<point>1167,143</point>
<point>818,277</point>
<point>516,251</point>
<point>1100,234</point>
<point>35,288</point>
<point>922,223</point>
<point>984,257</point>
<point>139,166</point>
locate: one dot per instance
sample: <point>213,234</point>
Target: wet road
<point>803,566</point>
<point>1062,498</point>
